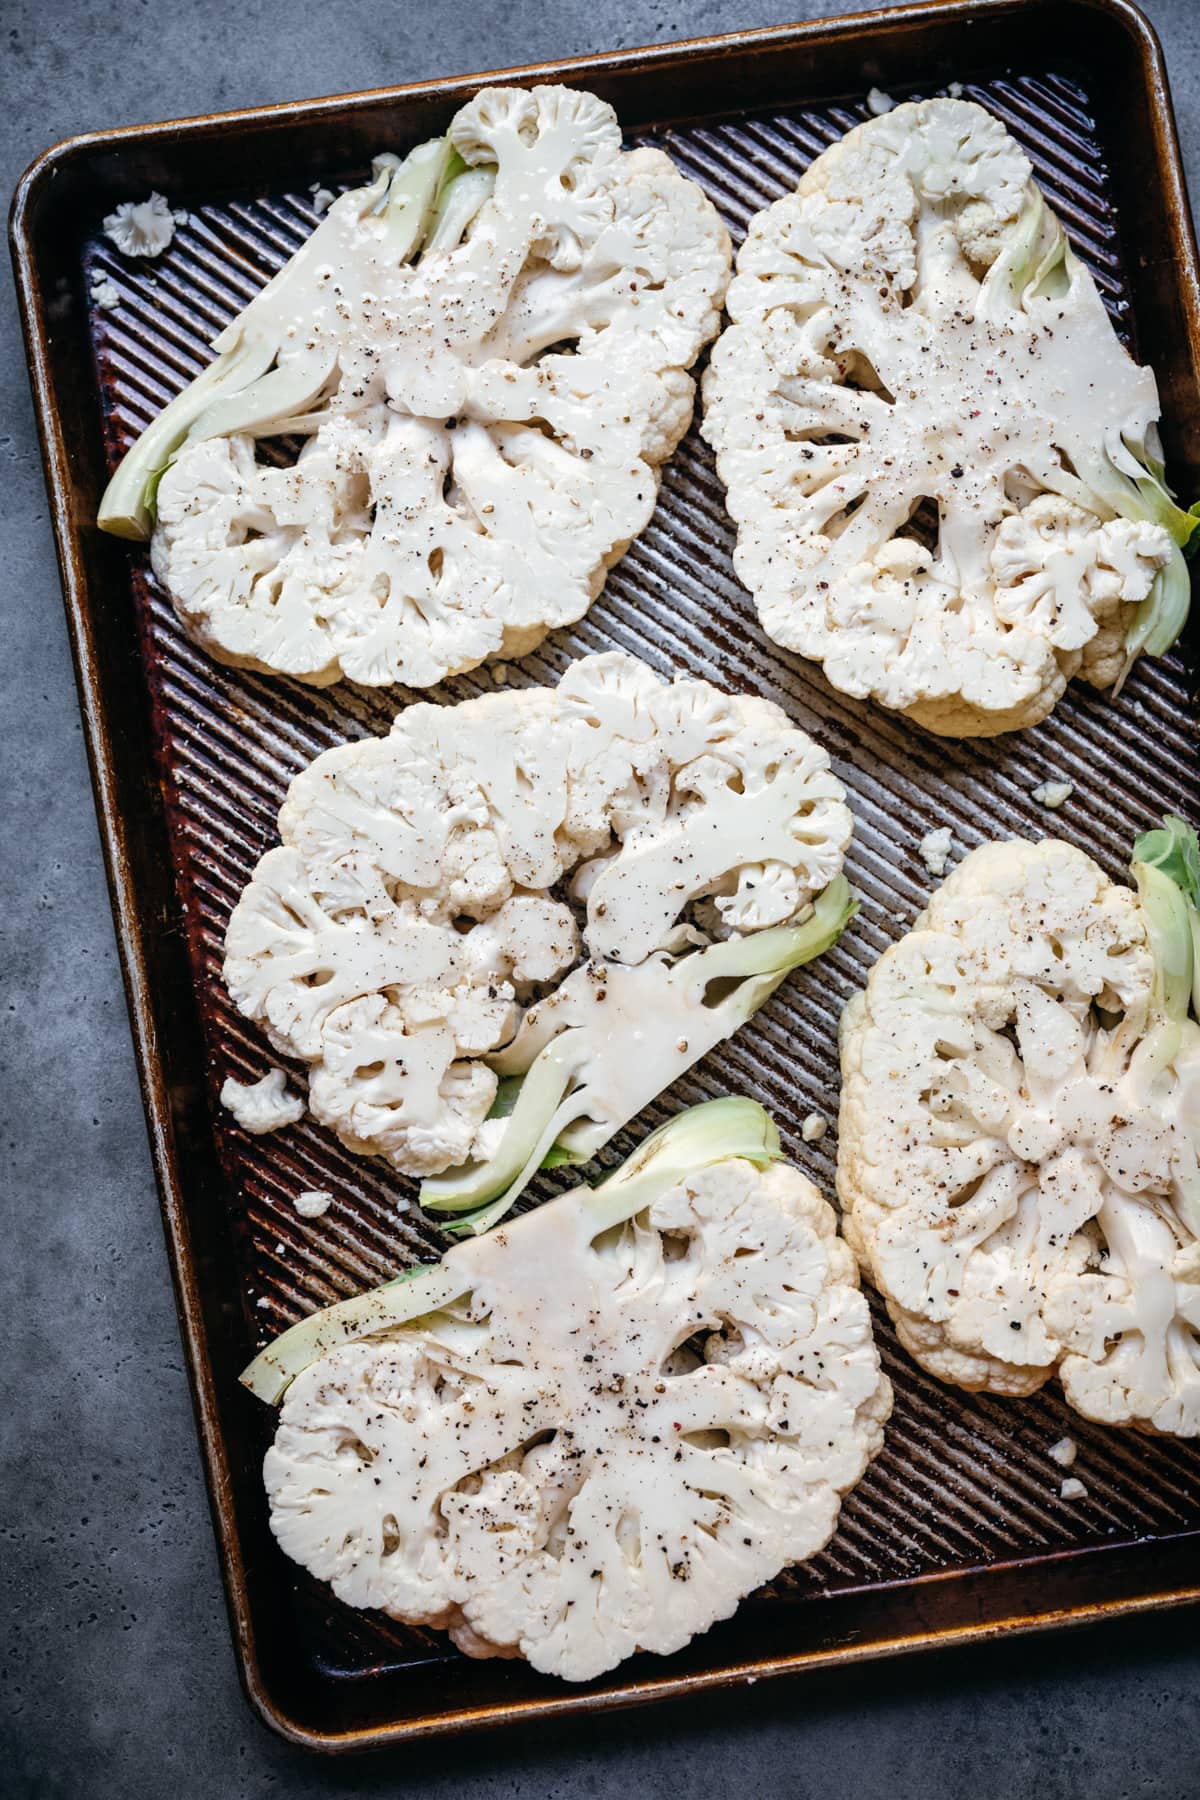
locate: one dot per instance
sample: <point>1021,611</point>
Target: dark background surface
<point>118,1676</point>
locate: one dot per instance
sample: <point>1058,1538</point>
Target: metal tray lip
<point>765,38</point>
<point>570,1704</point>
<point>131,928</point>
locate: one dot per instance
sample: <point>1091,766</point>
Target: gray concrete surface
<point>117,1672</point>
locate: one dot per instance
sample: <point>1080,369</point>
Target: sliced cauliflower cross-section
<point>644,839</point>
<point>943,466</point>
<point>481,429</point>
<point>595,1430</point>
<point>1019,1143</point>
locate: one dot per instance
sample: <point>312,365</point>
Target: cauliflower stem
<point>561,1112</point>
<point>262,382</point>
<point>693,1140</point>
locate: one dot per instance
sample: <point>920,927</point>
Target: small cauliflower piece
<point>105,293</point>
<point>1073,1489</point>
<point>814,1128</point>
<point>313,1203</point>
<point>143,227</point>
<point>1053,794</point>
<point>1019,1139</point>
<point>934,849</point>
<point>594,1431</point>
<point>943,466</point>
<point>262,1106</point>
<point>482,427</point>
<point>1063,1452</point>
<point>410,937</point>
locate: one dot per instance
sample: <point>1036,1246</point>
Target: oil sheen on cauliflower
<point>612,1434</point>
<point>420,902</point>
<point>481,429</point>
<point>943,466</point>
<point>1020,1126</point>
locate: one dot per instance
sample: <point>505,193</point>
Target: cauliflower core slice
<point>943,466</point>
<point>417,904</point>
<point>612,1435</point>
<point>481,429</point>
<point>1018,1140</point>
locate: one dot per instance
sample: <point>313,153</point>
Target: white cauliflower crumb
<point>1053,793</point>
<point>262,1302</point>
<point>322,198</point>
<point>105,293</point>
<point>312,1203</point>
<point>261,1106</point>
<point>814,1128</point>
<point>1064,1452</point>
<point>141,228</point>
<point>1073,1489</point>
<point>281,1248</point>
<point>955,90</point>
<point>879,103</point>
<point>501,674</point>
<point>181,217</point>
<point>934,849</point>
<point>400,1208</point>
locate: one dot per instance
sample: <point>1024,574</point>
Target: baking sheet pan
<point>958,1530</point>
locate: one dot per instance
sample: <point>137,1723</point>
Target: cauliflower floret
<point>262,1106</point>
<point>483,427</point>
<point>915,352</point>
<point>537,1469</point>
<point>409,924</point>
<point>142,227</point>
<point>1018,1141</point>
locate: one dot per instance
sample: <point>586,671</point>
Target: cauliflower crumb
<point>265,1105</point>
<point>312,1203</point>
<point>501,673</point>
<point>400,1208</point>
<point>262,1302</point>
<point>1064,1452</point>
<point>814,1128</point>
<point>935,848</point>
<point>281,1248</point>
<point>955,90</point>
<point>1072,1489</point>
<point>879,103</point>
<point>141,228</point>
<point>1053,793</point>
<point>322,197</point>
<point>105,293</point>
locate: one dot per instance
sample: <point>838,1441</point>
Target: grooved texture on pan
<point>962,1481</point>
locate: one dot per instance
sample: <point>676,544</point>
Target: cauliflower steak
<point>631,1407</point>
<point>480,429</point>
<point>1020,1130</point>
<point>410,937</point>
<point>943,466</point>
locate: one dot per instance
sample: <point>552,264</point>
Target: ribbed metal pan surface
<point>963,1482</point>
